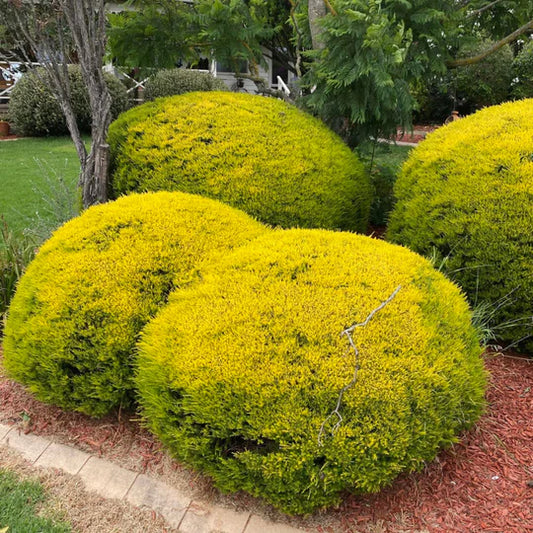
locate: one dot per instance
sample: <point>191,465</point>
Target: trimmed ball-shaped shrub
<point>170,82</point>
<point>258,154</point>
<point>75,318</point>
<point>34,111</point>
<point>465,196</point>
<point>238,374</point>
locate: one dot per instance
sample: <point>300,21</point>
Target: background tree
<point>56,32</point>
<point>372,52</point>
<point>466,89</point>
<point>165,33</point>
<point>156,35</point>
<point>523,72</point>
<point>498,18</point>
<point>359,59</point>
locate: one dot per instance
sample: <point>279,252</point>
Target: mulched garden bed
<point>483,484</point>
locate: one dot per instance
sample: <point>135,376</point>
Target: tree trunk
<point>87,20</point>
<point>316,10</point>
<point>94,174</point>
<point>93,181</point>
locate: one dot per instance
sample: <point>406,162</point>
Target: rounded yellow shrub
<point>465,196</point>
<point>78,310</point>
<point>261,155</point>
<point>239,373</point>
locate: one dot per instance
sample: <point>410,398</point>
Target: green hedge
<point>465,196</point>
<point>77,312</point>
<point>258,154</point>
<point>34,111</point>
<point>238,373</point>
<point>170,82</point>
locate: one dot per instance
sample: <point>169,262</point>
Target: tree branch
<point>483,9</point>
<point>299,38</point>
<point>494,48</point>
<point>331,9</point>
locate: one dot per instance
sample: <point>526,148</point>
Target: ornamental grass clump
<point>247,377</point>
<point>264,156</point>
<point>465,197</point>
<point>78,310</point>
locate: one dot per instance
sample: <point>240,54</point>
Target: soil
<point>483,484</point>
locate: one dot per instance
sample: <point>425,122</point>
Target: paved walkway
<point>398,143</point>
<point>111,481</point>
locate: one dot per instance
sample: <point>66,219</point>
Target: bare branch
<point>484,8</point>
<point>494,48</point>
<point>352,346</point>
<point>299,38</point>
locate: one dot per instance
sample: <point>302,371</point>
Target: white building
<point>274,73</point>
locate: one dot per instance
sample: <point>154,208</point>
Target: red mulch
<point>10,137</point>
<point>418,134</point>
<point>483,484</point>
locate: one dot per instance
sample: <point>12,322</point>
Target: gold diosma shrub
<point>264,156</point>
<point>78,310</point>
<point>238,373</point>
<point>465,196</point>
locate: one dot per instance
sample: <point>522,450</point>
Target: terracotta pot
<point>4,128</point>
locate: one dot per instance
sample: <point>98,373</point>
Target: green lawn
<point>39,175</point>
<point>19,503</point>
<point>32,173</point>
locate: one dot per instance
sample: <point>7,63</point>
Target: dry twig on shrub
<point>348,332</point>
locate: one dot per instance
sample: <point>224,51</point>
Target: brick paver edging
<point>112,481</point>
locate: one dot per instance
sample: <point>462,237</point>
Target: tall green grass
<point>29,173</point>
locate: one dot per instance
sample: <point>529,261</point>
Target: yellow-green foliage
<point>237,373</point>
<point>258,154</point>
<point>466,193</point>
<point>78,309</point>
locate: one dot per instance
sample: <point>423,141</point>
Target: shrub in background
<point>258,154</point>
<point>170,82</point>
<point>523,73</point>
<point>464,195</point>
<point>74,320</point>
<point>34,111</point>
<point>237,374</point>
